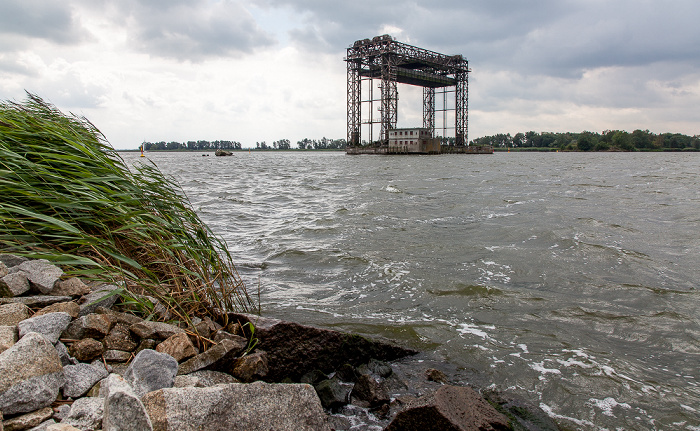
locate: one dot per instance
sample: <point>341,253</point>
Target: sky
<point>264,70</point>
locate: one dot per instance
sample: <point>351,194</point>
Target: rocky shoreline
<point>72,358</point>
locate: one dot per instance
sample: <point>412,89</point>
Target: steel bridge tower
<point>394,62</point>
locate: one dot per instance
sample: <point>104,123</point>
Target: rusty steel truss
<point>393,62</point>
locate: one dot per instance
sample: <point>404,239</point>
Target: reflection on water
<point>570,279</point>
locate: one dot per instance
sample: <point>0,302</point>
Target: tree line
<point>638,140</point>
<point>281,144</point>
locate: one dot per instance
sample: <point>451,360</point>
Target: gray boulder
<point>102,296</point>
<point>150,371</point>
<point>49,325</point>
<point>63,354</point>
<point>81,377</point>
<point>42,274</point>
<point>12,314</point>
<point>155,330</point>
<point>251,407</point>
<point>30,375</point>
<point>333,393</point>
<point>203,379</point>
<point>86,414</point>
<point>449,408</point>
<point>14,284</point>
<point>36,300</point>
<point>122,407</point>
<point>11,260</point>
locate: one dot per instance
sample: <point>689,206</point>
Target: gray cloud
<point>193,30</point>
<point>42,19</point>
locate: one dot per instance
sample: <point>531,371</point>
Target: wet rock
<point>14,284</point>
<point>70,308</point>
<point>376,368</point>
<point>178,346</point>
<point>528,415</point>
<point>86,349</point>
<point>36,301</point>
<point>203,379</point>
<point>117,356</point>
<point>42,274</point>
<point>313,377</point>
<point>294,349</point>
<point>332,393</point>
<point>449,408</point>
<point>30,375</point>
<point>101,296</point>
<point>86,414</point>
<point>155,330</point>
<point>28,420</point>
<point>70,287</point>
<point>347,373</point>
<point>255,406</point>
<point>81,377</point>
<point>120,338</point>
<point>368,392</point>
<point>12,314</point>
<point>8,337</point>
<point>49,325</point>
<point>150,371</point>
<point>88,326</point>
<point>218,354</point>
<point>433,375</point>
<point>251,367</point>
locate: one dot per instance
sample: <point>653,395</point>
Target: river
<point>570,279</point>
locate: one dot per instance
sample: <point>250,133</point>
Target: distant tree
<point>585,141</point>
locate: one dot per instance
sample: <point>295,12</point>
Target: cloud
<point>193,30</point>
<point>40,19</point>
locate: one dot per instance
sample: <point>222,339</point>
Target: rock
<point>102,296</point>
<point>43,426</point>
<point>86,349</point>
<point>221,153</point>
<point>178,346</point>
<point>14,284</point>
<point>81,377</point>
<point>123,410</point>
<point>224,335</point>
<point>36,301</point>
<point>237,407</point>
<point>203,379</point>
<point>313,377</point>
<point>28,420</point>
<point>234,328</point>
<point>8,337</point>
<point>294,349</point>
<point>369,392</point>
<point>86,414</point>
<point>433,375</point>
<point>202,329</point>
<point>528,415</point>
<point>146,343</point>
<point>49,325</point>
<point>11,260</point>
<point>251,367</point>
<point>155,330</point>
<point>347,373</point>
<point>63,354</point>
<point>60,307</point>
<point>88,326</point>
<point>332,393</point>
<point>61,412</point>
<point>70,287</point>
<point>3,269</point>
<point>42,274</point>
<point>12,314</point>
<point>117,356</point>
<point>61,427</point>
<point>150,371</point>
<point>376,368</point>
<point>120,338</point>
<point>449,408</point>
<point>220,354</point>
<point>117,317</point>
<point>30,375</point>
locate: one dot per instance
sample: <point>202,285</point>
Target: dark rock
<point>347,373</point>
<point>88,326</point>
<point>11,260</point>
<point>36,301</point>
<point>294,349</point>
<point>120,338</point>
<point>103,295</point>
<point>86,349</point>
<point>251,367</point>
<point>523,414</point>
<point>223,335</point>
<point>332,393</point>
<point>219,357</point>
<point>63,354</point>
<point>155,330</point>
<point>146,343</point>
<point>376,368</point>
<point>313,377</point>
<point>220,153</point>
<point>433,375</point>
<point>150,371</point>
<point>450,408</point>
<point>368,392</point>
<point>255,406</point>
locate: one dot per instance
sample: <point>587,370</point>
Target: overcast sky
<point>179,70</point>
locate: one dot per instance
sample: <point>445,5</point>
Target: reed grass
<point>67,196</point>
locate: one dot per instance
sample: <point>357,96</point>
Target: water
<point>570,279</point>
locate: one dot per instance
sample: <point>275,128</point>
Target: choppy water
<point>571,279</point>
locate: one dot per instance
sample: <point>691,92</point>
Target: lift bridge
<point>383,58</point>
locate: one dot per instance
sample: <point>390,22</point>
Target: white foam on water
<point>466,328</point>
<point>392,189</point>
<point>607,405</point>
<point>580,422</point>
<point>539,367</point>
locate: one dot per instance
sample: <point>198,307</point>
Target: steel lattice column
<point>461,107</point>
<point>429,109</point>
<point>353,104</point>
<point>390,97</point>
